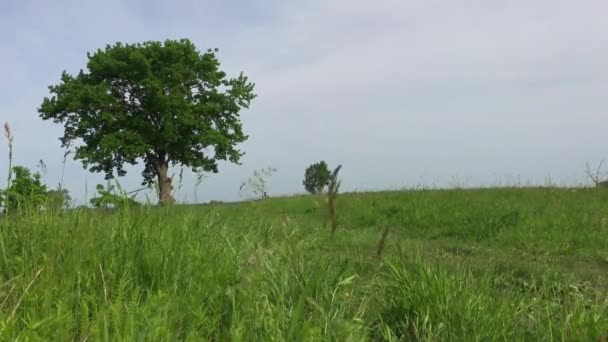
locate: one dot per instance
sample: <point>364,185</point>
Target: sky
<point>401,93</point>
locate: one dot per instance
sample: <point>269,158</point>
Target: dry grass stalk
<point>332,194</point>
<point>8,134</point>
<point>382,243</point>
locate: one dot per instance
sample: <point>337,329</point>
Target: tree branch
<point>596,177</point>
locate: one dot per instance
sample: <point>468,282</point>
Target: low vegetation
<point>495,264</point>
<point>109,197</point>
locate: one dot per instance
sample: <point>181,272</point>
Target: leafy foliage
<point>160,103</point>
<point>108,197</point>
<point>26,191</point>
<point>316,177</point>
<point>58,199</point>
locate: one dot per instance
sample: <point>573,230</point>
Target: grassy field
<point>478,265</point>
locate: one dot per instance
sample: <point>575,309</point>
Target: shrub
<point>26,191</point>
<point>109,198</point>
<point>58,199</point>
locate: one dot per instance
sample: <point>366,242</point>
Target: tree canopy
<point>316,177</point>
<point>158,103</point>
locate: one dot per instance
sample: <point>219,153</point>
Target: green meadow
<point>423,265</point>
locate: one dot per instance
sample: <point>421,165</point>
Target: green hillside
<point>491,264</point>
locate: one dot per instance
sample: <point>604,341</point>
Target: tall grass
<point>332,195</point>
<point>8,135</point>
<point>514,264</point>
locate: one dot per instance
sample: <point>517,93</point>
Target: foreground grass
<point>500,264</point>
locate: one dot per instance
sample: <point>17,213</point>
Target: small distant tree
<point>26,191</point>
<point>597,176</point>
<point>316,178</point>
<point>58,199</point>
<point>108,197</point>
<point>257,185</point>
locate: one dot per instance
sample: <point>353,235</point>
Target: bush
<point>58,199</point>
<point>25,192</point>
<point>108,198</point>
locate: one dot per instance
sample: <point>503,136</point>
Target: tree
<point>58,199</point>
<point>316,177</point>
<point>598,177</point>
<point>25,192</point>
<point>160,103</point>
<point>257,185</point>
<point>109,198</point>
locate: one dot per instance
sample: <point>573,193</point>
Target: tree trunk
<point>164,185</point>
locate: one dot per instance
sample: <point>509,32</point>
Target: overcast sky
<point>399,92</point>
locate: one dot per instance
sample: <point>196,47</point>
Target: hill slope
<point>456,265</point>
